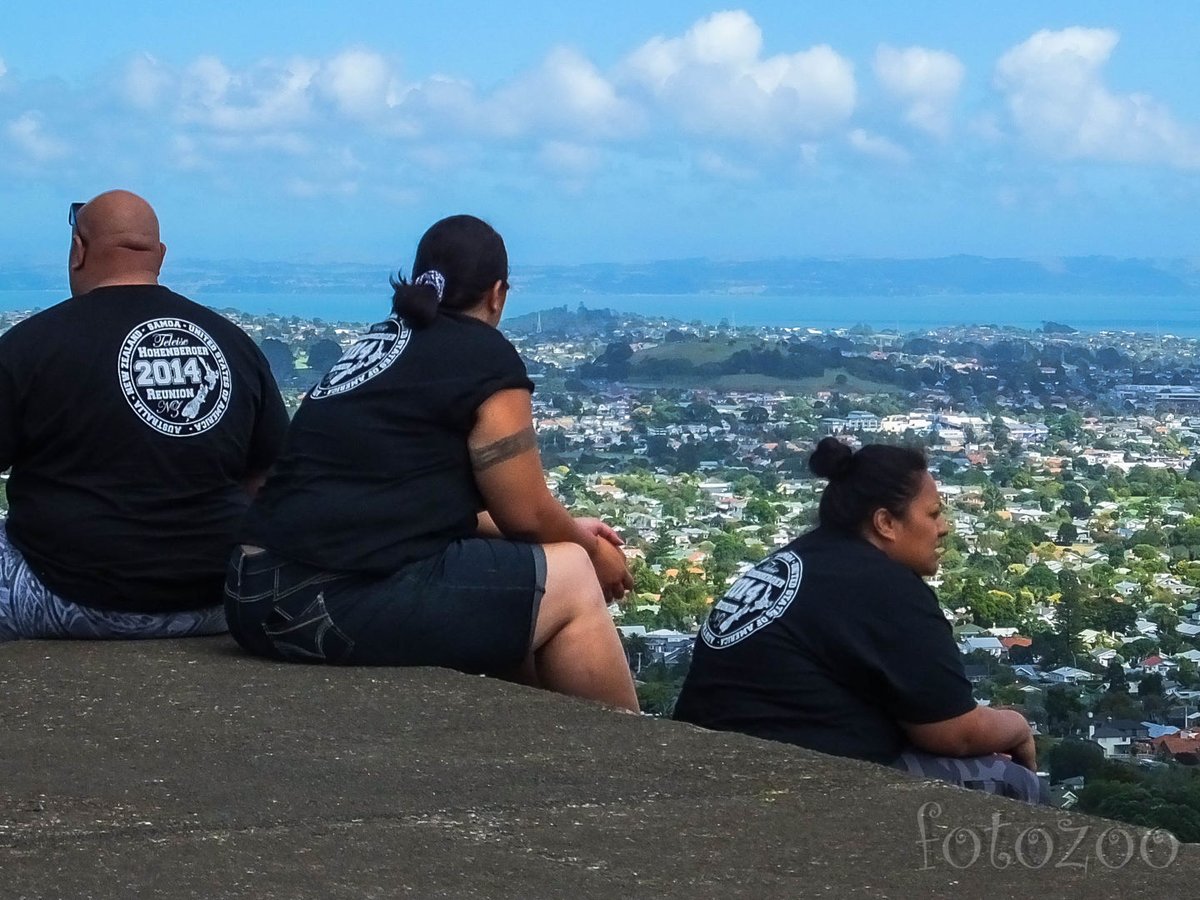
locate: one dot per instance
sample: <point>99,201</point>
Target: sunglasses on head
<point>74,213</point>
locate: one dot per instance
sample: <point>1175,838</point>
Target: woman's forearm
<point>542,521</point>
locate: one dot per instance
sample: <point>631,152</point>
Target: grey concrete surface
<point>185,769</point>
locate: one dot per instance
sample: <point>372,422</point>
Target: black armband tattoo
<point>506,448</point>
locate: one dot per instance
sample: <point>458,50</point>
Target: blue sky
<point>621,131</point>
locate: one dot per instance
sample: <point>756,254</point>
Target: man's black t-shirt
<point>375,471</point>
<point>828,644</point>
<point>130,416</point>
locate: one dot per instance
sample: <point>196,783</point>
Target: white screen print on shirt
<point>756,600</point>
<point>371,354</point>
<point>174,376</point>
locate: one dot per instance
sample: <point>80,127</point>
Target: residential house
<point>976,674</point>
<point>1028,672</point>
<point>1069,675</point>
<point>1116,736</point>
<point>1157,665</point>
<point>667,646</point>
<point>986,643</point>
<point>1182,748</point>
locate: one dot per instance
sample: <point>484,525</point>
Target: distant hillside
<point>957,275</point>
<point>874,277</point>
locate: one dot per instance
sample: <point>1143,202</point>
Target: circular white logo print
<point>756,600</point>
<point>174,376</point>
<point>371,354</point>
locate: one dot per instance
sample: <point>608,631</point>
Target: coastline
<point>1165,315</point>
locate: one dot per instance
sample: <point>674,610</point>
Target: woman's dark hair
<point>878,475</point>
<point>458,260</point>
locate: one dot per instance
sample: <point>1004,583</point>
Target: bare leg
<point>525,673</point>
<point>576,649</point>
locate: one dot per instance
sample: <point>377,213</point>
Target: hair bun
<point>832,459</point>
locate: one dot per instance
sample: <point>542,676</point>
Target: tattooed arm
<point>508,471</point>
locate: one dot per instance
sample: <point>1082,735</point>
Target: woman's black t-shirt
<point>375,471</point>
<point>828,644</point>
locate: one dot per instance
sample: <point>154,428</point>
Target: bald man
<point>135,423</point>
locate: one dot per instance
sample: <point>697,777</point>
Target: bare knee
<point>569,572</point>
<point>572,591</point>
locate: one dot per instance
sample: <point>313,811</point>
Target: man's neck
<point>120,280</point>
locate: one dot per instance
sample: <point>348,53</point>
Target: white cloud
<point>564,116</point>
<point>566,158</point>
<point>3,68</point>
<point>714,80</point>
<point>1054,88</point>
<point>435,107</point>
<point>277,143</point>
<point>187,156</point>
<point>986,127</point>
<point>565,94</point>
<point>441,157</point>
<point>877,147</point>
<point>713,163</point>
<point>27,132</point>
<point>359,82</point>
<point>146,82</point>
<point>926,81</point>
<point>206,81</point>
<point>265,97</point>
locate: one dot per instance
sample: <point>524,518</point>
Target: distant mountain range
<point>953,275</point>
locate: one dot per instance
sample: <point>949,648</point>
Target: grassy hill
<point>767,383</point>
<point>710,350</point>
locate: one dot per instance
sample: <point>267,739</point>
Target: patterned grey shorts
<point>992,774</point>
<point>29,610</point>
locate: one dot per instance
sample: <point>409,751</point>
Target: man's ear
<point>884,524</point>
<point>78,253</point>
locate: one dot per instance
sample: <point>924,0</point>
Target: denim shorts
<point>471,607</point>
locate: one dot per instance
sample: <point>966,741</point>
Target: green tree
<point>1071,614</point>
<point>682,602</point>
<point>1070,759</point>
<point>1040,580</point>
<point>1064,709</point>
<point>1015,547</point>
<point>657,698</point>
<point>1115,678</point>
<point>1187,674</point>
<point>1118,705</point>
<point>645,579</point>
<point>323,354</point>
<point>756,415</point>
<point>728,550</point>
<point>1106,613</point>
<point>760,512</point>
<point>1151,685</point>
<point>1067,533</point>
<point>279,358</point>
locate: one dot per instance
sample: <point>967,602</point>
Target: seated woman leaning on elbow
<point>407,521</point>
<point>835,643</point>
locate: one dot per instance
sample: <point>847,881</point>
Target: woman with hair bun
<point>407,521</point>
<point>835,642</point>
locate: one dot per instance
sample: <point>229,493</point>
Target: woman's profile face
<point>920,530</point>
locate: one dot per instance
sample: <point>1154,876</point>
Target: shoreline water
<point>1179,316</point>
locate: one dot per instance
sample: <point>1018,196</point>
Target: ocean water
<point>1154,315</point>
